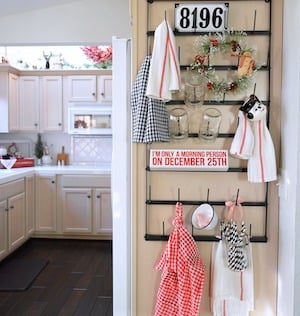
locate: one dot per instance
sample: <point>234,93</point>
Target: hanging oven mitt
<point>243,140</point>
<point>235,238</point>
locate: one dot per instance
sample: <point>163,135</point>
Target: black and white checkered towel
<point>150,118</point>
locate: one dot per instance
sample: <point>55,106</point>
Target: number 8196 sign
<point>201,17</point>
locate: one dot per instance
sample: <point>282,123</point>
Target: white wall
<point>85,21</point>
<point>289,234</point>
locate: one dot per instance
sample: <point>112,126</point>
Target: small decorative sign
<point>203,17</point>
<point>189,159</point>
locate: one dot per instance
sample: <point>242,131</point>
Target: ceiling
<point>17,6</point>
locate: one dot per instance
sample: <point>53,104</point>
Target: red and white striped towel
<point>232,293</point>
<point>164,73</point>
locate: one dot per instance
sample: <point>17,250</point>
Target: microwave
<point>89,120</point>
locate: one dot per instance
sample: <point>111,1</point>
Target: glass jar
<point>194,89</point>
<point>210,124</point>
<point>178,123</point>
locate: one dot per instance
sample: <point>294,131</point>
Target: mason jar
<point>194,88</point>
<point>210,124</point>
<point>178,123</point>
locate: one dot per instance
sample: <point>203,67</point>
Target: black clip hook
<point>237,196</point>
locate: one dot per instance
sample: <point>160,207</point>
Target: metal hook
<point>178,194</point>
<point>165,15</point>
<point>149,193</point>
<point>207,196</point>
<point>163,227</point>
<point>237,196</point>
<point>254,20</point>
<point>178,54</point>
<point>254,88</point>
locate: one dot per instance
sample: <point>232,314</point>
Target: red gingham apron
<point>183,273</point>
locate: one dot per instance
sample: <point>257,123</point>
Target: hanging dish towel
<point>243,140</point>
<point>183,273</point>
<point>253,141</point>
<point>262,164</point>
<point>164,74</point>
<point>150,118</point>
<point>232,269</point>
<point>232,292</point>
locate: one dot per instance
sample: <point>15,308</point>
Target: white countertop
<point>7,175</point>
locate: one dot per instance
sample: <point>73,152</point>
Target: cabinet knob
<point>59,124</point>
<point>52,181</point>
<point>102,93</point>
<point>98,196</point>
<point>35,124</point>
<point>89,196</point>
<point>12,207</point>
<point>93,94</point>
<point>6,209</point>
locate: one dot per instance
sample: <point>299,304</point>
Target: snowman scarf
<point>253,141</point>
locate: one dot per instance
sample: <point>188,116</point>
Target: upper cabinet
<point>88,88</point>
<point>51,115</point>
<point>40,103</point>
<point>9,94</point>
<point>104,88</point>
<point>29,103</point>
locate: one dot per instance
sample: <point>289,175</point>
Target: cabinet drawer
<point>11,188</point>
<point>85,181</point>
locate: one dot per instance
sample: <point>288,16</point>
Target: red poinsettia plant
<point>100,55</point>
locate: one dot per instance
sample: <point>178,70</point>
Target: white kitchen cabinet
<point>40,103</point>
<point>82,88</point>
<point>13,97</point>
<point>12,216</point>
<point>29,103</point>
<point>104,88</point>
<point>9,102</point>
<point>77,210</point>
<point>86,205</point>
<point>102,211</point>
<point>88,88</point>
<point>16,221</point>
<point>3,229</point>
<point>51,110</point>
<point>45,206</point>
<point>30,204</point>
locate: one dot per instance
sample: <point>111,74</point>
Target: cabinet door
<point>102,211</point>
<point>29,103</point>
<point>77,210</point>
<point>45,207</point>
<point>16,221</point>
<point>105,89</point>
<point>82,88</point>
<point>51,103</point>
<point>3,229</point>
<point>13,101</point>
<point>30,210</point>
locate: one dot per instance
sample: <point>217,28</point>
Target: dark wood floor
<point>76,281</point>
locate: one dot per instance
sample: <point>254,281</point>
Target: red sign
<point>189,159</point>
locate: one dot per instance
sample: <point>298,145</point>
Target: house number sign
<point>201,17</point>
<point>189,159</point>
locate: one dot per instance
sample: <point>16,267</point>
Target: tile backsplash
<point>90,150</point>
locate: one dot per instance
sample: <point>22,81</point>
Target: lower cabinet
<point>45,203</point>
<point>12,216</point>
<point>73,206</point>
<point>86,205</point>
<point>77,210</point>
<point>102,211</point>
<point>30,204</point>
